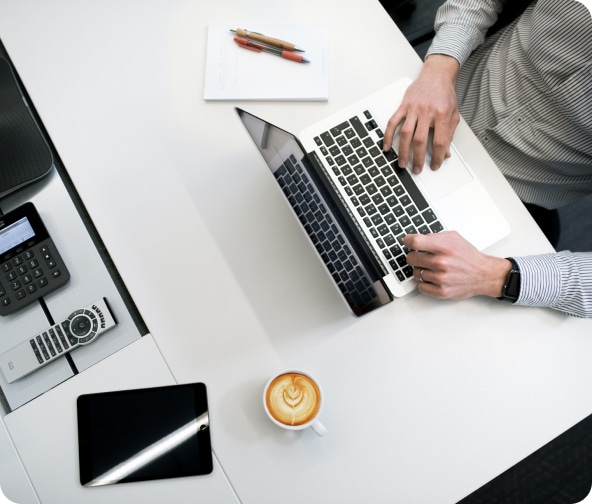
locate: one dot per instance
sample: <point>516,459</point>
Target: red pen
<point>258,47</point>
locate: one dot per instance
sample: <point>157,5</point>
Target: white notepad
<point>234,73</point>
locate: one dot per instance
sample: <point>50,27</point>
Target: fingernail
<point>416,170</point>
<point>402,163</point>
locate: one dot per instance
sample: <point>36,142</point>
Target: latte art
<point>293,399</point>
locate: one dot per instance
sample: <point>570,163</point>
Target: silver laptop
<point>357,205</point>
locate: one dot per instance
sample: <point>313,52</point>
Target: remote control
<point>80,328</point>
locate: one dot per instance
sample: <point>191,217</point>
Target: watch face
<point>512,290</point>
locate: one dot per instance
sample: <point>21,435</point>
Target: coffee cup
<point>293,400</point>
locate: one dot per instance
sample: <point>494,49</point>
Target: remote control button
<point>87,339</point>
<point>66,327</point>
<point>43,349</point>
<point>49,345</point>
<point>64,341</point>
<point>55,341</point>
<point>36,351</point>
<point>81,326</point>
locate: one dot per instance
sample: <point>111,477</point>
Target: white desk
<point>426,400</point>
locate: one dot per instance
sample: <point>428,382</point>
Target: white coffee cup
<point>294,400</point>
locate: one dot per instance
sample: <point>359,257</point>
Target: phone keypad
<point>30,273</point>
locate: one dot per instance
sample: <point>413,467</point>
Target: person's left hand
<point>449,267</point>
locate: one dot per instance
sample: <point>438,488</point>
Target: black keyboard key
<point>436,227</point>
<point>417,220</point>
<point>429,215</point>
<point>408,271</point>
<point>327,139</point>
<point>359,127</point>
<point>339,129</point>
<point>391,155</point>
<point>371,125</point>
<point>377,199</point>
<point>412,189</point>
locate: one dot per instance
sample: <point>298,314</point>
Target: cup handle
<point>319,428</point>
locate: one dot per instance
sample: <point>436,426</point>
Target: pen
<point>282,44</point>
<point>253,46</point>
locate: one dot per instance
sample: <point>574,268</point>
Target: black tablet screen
<point>143,434</point>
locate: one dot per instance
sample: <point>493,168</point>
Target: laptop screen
<point>323,217</point>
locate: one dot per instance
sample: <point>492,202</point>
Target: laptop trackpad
<point>450,176</point>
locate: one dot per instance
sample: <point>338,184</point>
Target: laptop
<point>356,205</point>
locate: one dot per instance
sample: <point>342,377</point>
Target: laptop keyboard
<point>342,262</point>
<point>384,195</point>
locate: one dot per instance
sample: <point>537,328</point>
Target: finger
<point>429,289</point>
<point>441,147</point>
<point>421,274</point>
<point>405,140</point>
<point>391,127</point>
<point>413,242</point>
<point>444,128</point>
<point>427,244</point>
<point>420,145</point>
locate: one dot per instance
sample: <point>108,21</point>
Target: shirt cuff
<point>540,280</point>
<point>456,41</point>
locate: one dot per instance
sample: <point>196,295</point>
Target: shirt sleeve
<point>461,26</point>
<point>562,281</point>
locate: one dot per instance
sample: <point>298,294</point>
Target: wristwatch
<point>511,289</point>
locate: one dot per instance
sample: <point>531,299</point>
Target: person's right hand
<point>449,267</point>
<point>430,103</point>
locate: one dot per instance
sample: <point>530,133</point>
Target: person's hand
<point>430,103</point>
<point>449,267</point>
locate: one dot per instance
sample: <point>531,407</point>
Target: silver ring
<point>421,275</point>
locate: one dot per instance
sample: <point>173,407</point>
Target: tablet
<point>143,434</point>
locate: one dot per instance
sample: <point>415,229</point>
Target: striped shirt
<point>526,92</point>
